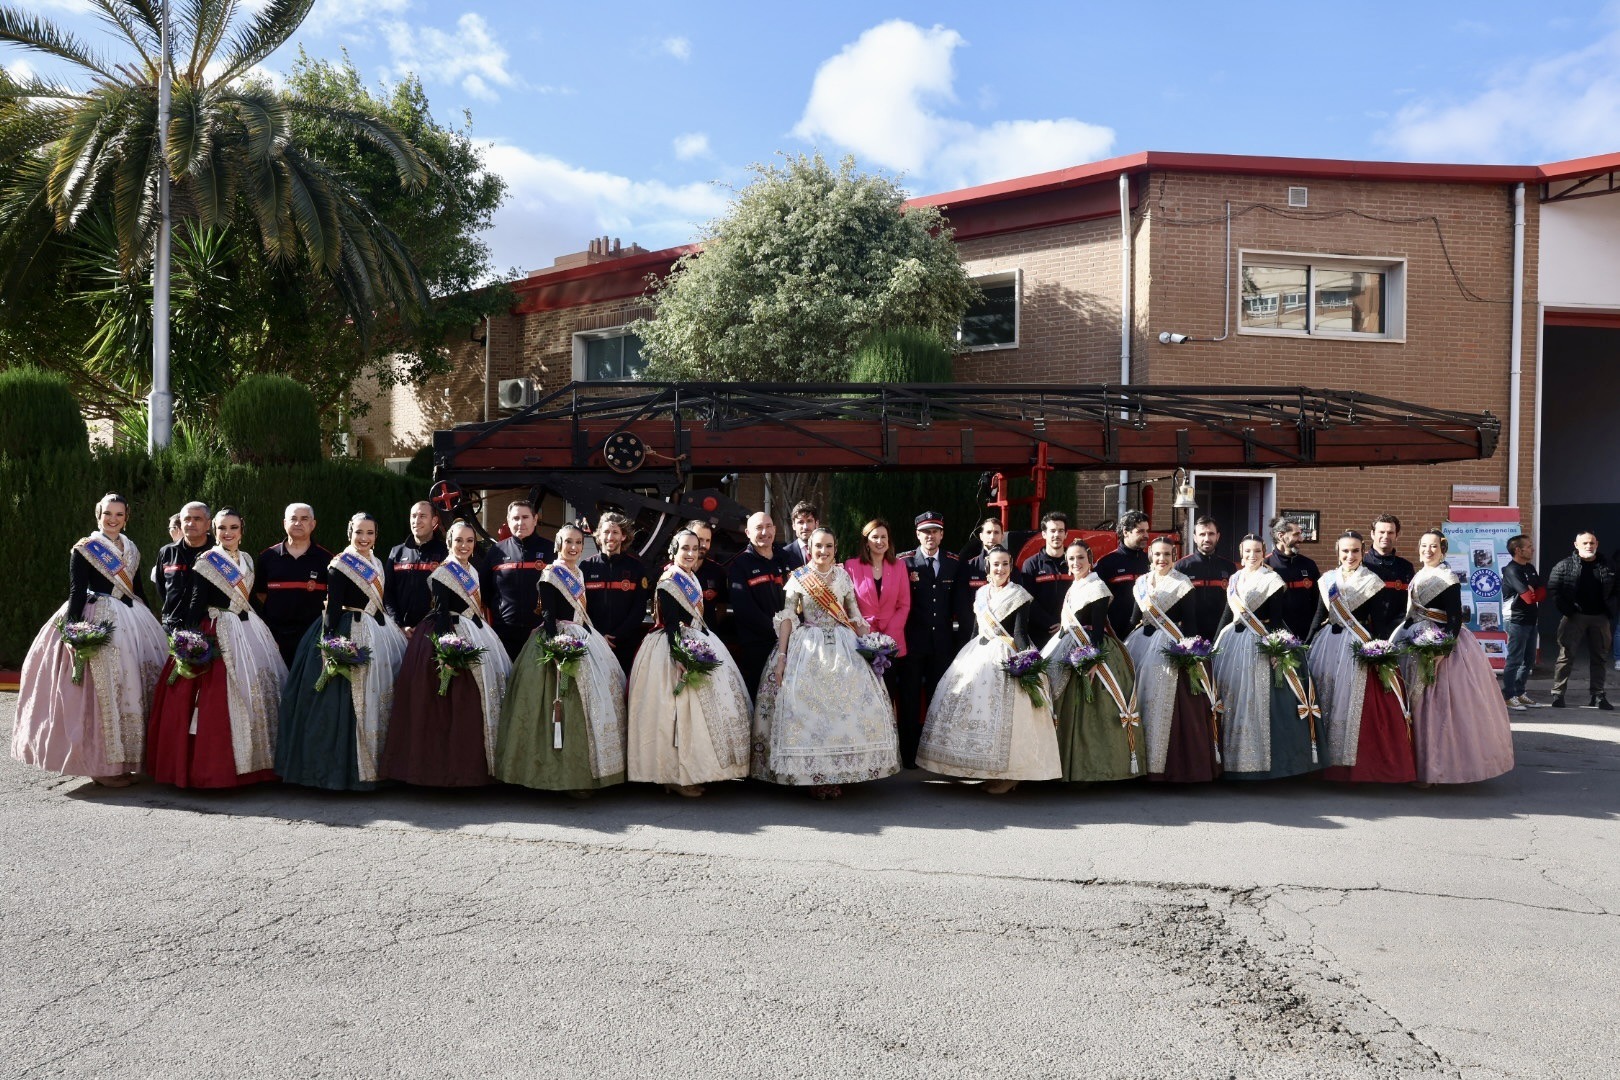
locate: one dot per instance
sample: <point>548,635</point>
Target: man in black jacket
<point>1047,577</point>
<point>1522,594</point>
<point>290,587</point>
<point>408,566</point>
<point>1582,587</point>
<point>511,577</point>
<point>1120,568</point>
<point>175,562</point>
<point>617,588</point>
<point>1299,574</point>
<point>758,576</point>
<point>1209,573</point>
<point>1386,611</point>
<point>937,580</point>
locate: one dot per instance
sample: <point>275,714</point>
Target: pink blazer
<point>886,611</point>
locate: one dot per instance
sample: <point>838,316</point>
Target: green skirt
<point>525,750</point>
<point>1092,743</point>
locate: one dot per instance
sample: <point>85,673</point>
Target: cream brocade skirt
<point>696,737</point>
<point>979,717</point>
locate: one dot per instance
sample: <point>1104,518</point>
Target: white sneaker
<point>1528,702</point>
<point>1518,706</point>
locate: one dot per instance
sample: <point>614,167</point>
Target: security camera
<point>1167,338</point>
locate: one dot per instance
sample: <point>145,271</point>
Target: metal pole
<point>160,406</point>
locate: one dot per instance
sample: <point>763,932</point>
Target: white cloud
<point>553,208</point>
<point>883,98</point>
<point>330,15</point>
<point>470,55</point>
<point>1564,106</point>
<point>72,7</point>
<point>678,47</point>
<point>691,145</point>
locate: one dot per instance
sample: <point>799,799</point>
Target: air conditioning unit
<point>517,394</point>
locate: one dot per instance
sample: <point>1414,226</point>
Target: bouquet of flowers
<point>1027,667</point>
<point>340,656</point>
<point>84,638</point>
<point>566,651</point>
<point>1190,654</point>
<point>192,652</point>
<point>879,650</point>
<point>696,656</point>
<point>1084,659</point>
<point>1384,657</point>
<point>1287,653</point>
<point>1429,645</point>
<point>454,653</point>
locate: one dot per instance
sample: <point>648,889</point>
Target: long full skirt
<point>98,727</point>
<point>1093,744</point>
<point>1460,727</point>
<point>1384,753</point>
<point>1263,736</point>
<point>446,741</point>
<point>695,737</point>
<point>1178,726</point>
<point>829,721</point>
<point>217,730</point>
<point>588,750</point>
<point>983,725</point>
<point>333,738</point>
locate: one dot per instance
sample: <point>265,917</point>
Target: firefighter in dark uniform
<point>511,578</point>
<point>1120,568</point>
<point>175,562</point>
<point>406,570</point>
<point>938,583</point>
<point>1388,608</point>
<point>991,534</point>
<point>289,584</point>
<point>1209,574</point>
<point>714,579</point>
<point>1047,577</point>
<point>758,576</point>
<point>1299,574</point>
<point>616,589</point>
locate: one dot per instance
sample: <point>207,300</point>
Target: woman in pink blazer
<point>881,587</point>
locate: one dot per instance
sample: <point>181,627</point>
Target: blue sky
<point>638,119</point>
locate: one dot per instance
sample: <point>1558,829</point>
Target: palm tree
<point>70,154</point>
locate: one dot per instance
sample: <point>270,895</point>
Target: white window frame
<point>582,336</point>
<point>1002,277</point>
<point>1393,269</point>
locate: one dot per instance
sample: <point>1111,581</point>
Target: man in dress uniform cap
<point>510,582</point>
<point>406,570</point>
<point>289,584</point>
<point>938,583</point>
<point>1299,574</point>
<point>758,576</point>
<point>1209,574</point>
<point>1387,610</point>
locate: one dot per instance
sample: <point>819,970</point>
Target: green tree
<point>807,261</point>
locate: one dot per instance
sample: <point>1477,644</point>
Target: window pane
<point>1350,301</point>
<point>993,320</point>
<point>1274,297</point>
<point>601,359</point>
<point>634,366</point>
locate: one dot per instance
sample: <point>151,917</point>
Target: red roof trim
<point>611,279</point>
<point>1586,166</point>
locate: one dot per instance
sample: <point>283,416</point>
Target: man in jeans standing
<point>1522,594</point>
<point>1582,587</point>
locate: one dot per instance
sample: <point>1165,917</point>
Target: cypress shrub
<point>270,420</point>
<point>47,503</point>
<point>421,464</point>
<point>41,414</point>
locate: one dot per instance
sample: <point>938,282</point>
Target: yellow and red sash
<point>819,591</point>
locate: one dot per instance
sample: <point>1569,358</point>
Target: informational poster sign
<point>1477,537</point>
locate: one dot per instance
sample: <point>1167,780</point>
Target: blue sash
<point>462,576</point>
<point>367,572</point>
<point>104,555</point>
<point>576,587</point>
<point>223,566</point>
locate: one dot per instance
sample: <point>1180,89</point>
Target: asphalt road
<point>917,928</point>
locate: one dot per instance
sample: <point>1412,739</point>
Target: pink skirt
<point>1460,724</point>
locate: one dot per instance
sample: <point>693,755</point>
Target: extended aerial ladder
<point>636,445</point>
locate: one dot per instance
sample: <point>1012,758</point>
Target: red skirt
<point>1191,758</point>
<point>434,741</point>
<point>204,760</point>
<point>1384,752</point>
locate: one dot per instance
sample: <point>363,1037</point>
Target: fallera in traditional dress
<point>1099,731</point>
<point>447,741</point>
<point>218,730</point>
<point>1179,727</point>
<point>1460,727</point>
<point>333,738</point>
<point>830,721</point>
<point>982,724</point>
<point>1267,729</point>
<point>1368,738</point>
<point>582,745</point>
<point>701,734</point>
<point>98,727</point>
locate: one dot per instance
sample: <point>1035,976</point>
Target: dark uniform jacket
<point>1522,592</point>
<point>290,591</point>
<point>1119,570</point>
<point>935,624</point>
<point>1298,598</point>
<point>174,582</point>
<point>716,592</point>
<point>616,593</point>
<point>405,578</point>
<point>1387,610</point>
<point>1209,575</point>
<point>978,572</point>
<point>757,587</point>
<point>1047,578</point>
<point>511,580</point>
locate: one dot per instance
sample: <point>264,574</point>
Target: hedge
<point>48,503</point>
<point>271,420</point>
<point>41,414</point>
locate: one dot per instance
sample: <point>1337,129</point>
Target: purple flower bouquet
<point>192,652</point>
<point>339,656</point>
<point>1191,654</point>
<point>1084,660</point>
<point>565,650</point>
<point>1287,653</point>
<point>1430,645</point>
<point>454,654</point>
<point>696,655</point>
<point>1383,657</point>
<point>1026,668</point>
<point>879,650</point>
<point>84,638</point>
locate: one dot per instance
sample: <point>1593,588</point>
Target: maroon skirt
<point>1384,752</point>
<point>203,760</point>
<point>434,741</point>
<point>1193,738</point>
